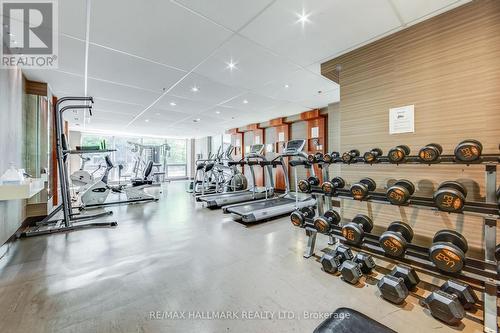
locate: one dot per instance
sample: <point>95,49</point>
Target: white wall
<point>11,145</point>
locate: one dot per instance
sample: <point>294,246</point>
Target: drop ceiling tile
<point>207,90</point>
<point>161,117</point>
<point>223,113</point>
<point>178,104</point>
<point>322,100</point>
<point>73,17</point>
<point>156,29</point>
<point>121,68</point>
<point>230,13</point>
<point>251,102</point>
<point>120,93</point>
<point>71,55</point>
<point>116,107</point>
<point>255,65</point>
<point>334,26</point>
<point>62,84</point>
<point>297,86</point>
<point>412,11</point>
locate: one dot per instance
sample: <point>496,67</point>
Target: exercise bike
<point>97,194</point>
<point>82,178</point>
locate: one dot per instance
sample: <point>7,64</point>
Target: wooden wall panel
<point>449,68</point>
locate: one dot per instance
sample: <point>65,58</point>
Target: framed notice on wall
<point>402,119</point>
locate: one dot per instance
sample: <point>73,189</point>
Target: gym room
<point>325,166</point>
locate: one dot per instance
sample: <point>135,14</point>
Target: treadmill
<point>280,205</point>
<point>254,193</point>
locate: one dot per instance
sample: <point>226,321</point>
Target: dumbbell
<point>372,155</point>
<point>353,270</point>
<point>330,157</point>
<point>360,189</point>
<point>354,231</point>
<point>314,158</point>
<point>450,196</point>
<point>332,259</point>
<point>400,192</point>
<point>396,286</point>
<point>395,239</point>
<point>330,187</point>
<point>468,150</point>
<point>350,156</point>
<point>448,250</point>
<point>450,301</point>
<point>324,224</point>
<point>299,216</point>
<point>305,185</point>
<point>430,153</point>
<point>398,154</point>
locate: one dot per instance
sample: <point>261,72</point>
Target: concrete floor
<point>175,255</point>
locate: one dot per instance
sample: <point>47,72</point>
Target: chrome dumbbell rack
<point>483,272</point>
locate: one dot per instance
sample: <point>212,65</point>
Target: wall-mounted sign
<point>315,132</point>
<point>402,119</point>
<point>281,136</point>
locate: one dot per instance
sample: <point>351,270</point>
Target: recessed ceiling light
<point>287,86</point>
<point>146,120</point>
<point>173,104</point>
<point>217,112</point>
<point>195,89</point>
<point>245,101</point>
<point>231,65</point>
<point>303,17</point>
<point>196,120</point>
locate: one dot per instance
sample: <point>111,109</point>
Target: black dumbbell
<point>353,270</point>
<point>468,150</point>
<point>332,259</point>
<point>398,154</point>
<point>450,196</point>
<point>330,157</point>
<point>360,189</point>
<point>350,156</point>
<point>330,187</point>
<point>354,231</point>
<point>395,240</point>
<point>372,155</point>
<point>315,158</point>
<point>396,286</point>
<point>324,224</point>
<point>299,216</point>
<point>400,192</point>
<point>430,153</point>
<point>305,185</point>
<point>450,301</point>
<point>448,251</point>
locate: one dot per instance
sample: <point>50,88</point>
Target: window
<point>132,153</point>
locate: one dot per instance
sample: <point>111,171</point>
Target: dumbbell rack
<point>483,272</point>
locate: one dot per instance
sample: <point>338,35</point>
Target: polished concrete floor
<point>177,258</point>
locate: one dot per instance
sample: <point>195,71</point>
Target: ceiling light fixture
<point>217,112</point>
<point>303,17</point>
<point>147,120</point>
<point>231,65</point>
<point>173,104</point>
<point>195,89</point>
<point>196,120</point>
<point>245,101</point>
<point>287,86</point>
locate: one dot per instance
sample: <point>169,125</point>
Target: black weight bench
<point>345,320</point>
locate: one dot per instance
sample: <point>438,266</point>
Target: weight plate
<point>352,233</point>
<point>369,157</point>
<point>333,215</point>
<point>407,184</point>
<point>304,186</point>
<point>327,158</point>
<point>370,183</point>
<point>311,158</point>
<point>297,219</point>
<point>307,211</point>
<point>339,182</point>
<point>397,195</point>
<point>359,191</point>
<point>398,154</point>
<point>447,257</point>
<point>365,221</point>
<point>321,225</point>
<point>404,229</point>
<point>430,153</point>
<point>454,185</point>
<point>393,244</point>
<point>468,150</point>
<point>328,188</point>
<point>451,236</point>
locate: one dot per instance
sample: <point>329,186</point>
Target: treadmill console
<point>294,147</point>
<point>256,149</point>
